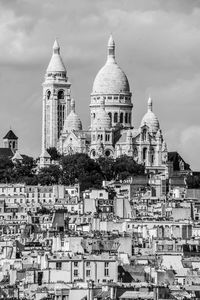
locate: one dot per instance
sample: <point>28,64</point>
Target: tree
<point>80,167</point>
<point>49,175</point>
<point>107,167</point>
<point>53,152</point>
<point>6,170</point>
<point>193,181</point>
<point>125,166</point>
<point>120,168</point>
<point>25,171</point>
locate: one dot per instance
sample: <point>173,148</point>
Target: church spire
<point>73,105</point>
<point>111,50</point>
<point>56,47</point>
<point>56,64</point>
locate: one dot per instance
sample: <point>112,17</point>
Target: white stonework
<point>56,99</point>
<point>111,133</point>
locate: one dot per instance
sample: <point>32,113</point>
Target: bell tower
<point>56,99</point>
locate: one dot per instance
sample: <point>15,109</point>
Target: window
<point>76,264</point>
<point>110,115</point>
<point>107,153</point>
<point>61,95</point>
<point>126,118</point>
<point>87,273</point>
<point>75,273</point>
<point>144,153</point>
<point>48,95</point>
<point>87,263</point>
<point>121,117</point>
<point>115,117</point>
<point>130,118</point>
<point>144,135</point>
<point>58,265</point>
<point>106,269</point>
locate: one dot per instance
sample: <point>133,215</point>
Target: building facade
<point>111,133</point>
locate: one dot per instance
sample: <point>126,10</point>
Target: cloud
<point>190,145</point>
<point>157,44</point>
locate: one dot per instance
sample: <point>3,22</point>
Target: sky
<point>157,46</point>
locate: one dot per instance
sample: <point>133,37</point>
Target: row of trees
<point>69,170</point>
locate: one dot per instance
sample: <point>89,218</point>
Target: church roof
<point>110,79</point>
<point>56,64</point>
<point>6,152</point>
<point>176,158</point>
<point>17,156</point>
<point>10,135</point>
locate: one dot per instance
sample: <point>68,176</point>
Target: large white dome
<point>110,79</point>
<point>150,119</point>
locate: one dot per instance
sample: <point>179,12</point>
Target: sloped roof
<point>10,135</point>
<point>176,158</point>
<point>6,152</point>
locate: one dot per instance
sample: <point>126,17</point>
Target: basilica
<point>111,132</point>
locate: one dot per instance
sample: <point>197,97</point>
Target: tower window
<point>144,135</point>
<point>144,154</point>
<point>129,118</point>
<point>121,117</point>
<point>152,156</point>
<point>110,115</point>
<point>60,94</point>
<point>126,118</point>
<point>115,117</point>
<point>48,95</point>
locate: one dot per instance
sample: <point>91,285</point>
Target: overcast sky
<point>157,45</point>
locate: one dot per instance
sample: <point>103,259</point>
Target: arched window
<point>144,154</point>
<point>152,156</point>
<point>129,118</point>
<point>115,117</point>
<point>61,94</point>
<point>110,115</point>
<point>48,95</point>
<point>121,117</point>
<point>126,118</point>
<point>144,135</point>
<point>107,153</point>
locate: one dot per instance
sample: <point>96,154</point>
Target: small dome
<point>72,121</point>
<point>110,79</point>
<point>56,64</point>
<point>102,120</point>
<point>150,119</point>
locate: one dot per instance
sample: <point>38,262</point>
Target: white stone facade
<point>111,133</point>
